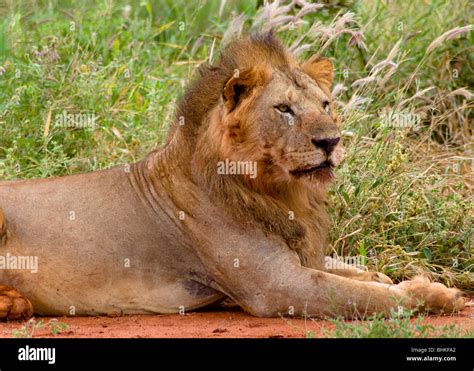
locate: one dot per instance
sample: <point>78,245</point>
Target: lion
<point>171,233</point>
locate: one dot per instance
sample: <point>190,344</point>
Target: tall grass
<point>403,197</point>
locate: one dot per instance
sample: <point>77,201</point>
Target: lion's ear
<point>240,85</point>
<point>321,70</point>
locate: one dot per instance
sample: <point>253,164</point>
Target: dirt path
<point>222,322</point>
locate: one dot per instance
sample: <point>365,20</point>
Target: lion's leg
<point>269,281</point>
<point>321,294</point>
<point>13,305</point>
<point>340,268</point>
<point>3,228</point>
<point>274,284</point>
<point>309,292</point>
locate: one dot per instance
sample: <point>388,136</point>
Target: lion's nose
<point>326,144</point>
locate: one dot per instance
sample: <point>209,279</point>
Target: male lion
<point>172,233</point>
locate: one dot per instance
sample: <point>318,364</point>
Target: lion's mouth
<point>322,170</point>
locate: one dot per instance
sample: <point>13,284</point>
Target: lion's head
<point>267,108</point>
<point>281,118</point>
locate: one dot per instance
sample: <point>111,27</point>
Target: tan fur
<point>191,235</point>
<point>3,228</point>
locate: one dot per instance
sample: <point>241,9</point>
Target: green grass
<point>30,327</point>
<point>403,198</point>
<point>397,326</point>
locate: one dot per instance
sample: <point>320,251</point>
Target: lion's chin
<point>322,173</point>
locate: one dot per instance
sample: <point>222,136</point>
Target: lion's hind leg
<point>13,305</point>
<point>3,228</point>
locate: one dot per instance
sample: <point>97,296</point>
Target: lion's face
<point>283,121</point>
<point>296,123</point>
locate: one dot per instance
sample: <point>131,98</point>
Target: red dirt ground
<point>226,321</point>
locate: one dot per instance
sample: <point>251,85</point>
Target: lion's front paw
<point>13,305</point>
<point>434,297</point>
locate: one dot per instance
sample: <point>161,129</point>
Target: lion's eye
<point>284,108</point>
<point>326,107</point>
